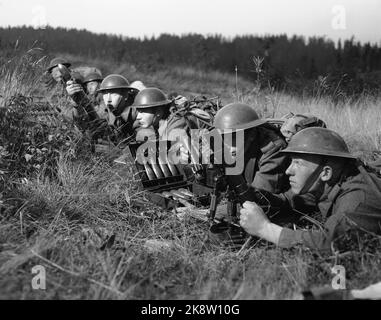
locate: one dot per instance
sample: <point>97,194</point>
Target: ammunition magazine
<point>166,184</point>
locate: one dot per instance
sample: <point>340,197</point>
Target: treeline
<point>309,66</point>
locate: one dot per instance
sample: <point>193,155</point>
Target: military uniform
<point>97,100</point>
<point>265,166</point>
<point>125,125</point>
<point>116,130</point>
<point>113,125</point>
<point>93,75</point>
<point>55,92</point>
<point>177,122</point>
<point>167,127</point>
<point>346,206</point>
<point>172,124</point>
<point>57,97</point>
<point>353,203</point>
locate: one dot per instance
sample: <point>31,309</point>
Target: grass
<point>79,223</point>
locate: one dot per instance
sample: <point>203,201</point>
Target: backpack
<point>198,112</point>
<point>366,169</point>
<point>291,123</point>
<point>374,166</point>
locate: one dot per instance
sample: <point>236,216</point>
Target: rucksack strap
<point>372,180</point>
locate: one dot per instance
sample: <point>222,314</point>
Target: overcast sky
<point>333,18</point>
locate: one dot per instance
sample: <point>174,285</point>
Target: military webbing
<point>313,177</point>
<point>375,183</point>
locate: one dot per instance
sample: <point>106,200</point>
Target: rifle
<point>215,177</point>
<point>237,191</point>
<point>225,231</point>
<point>83,103</point>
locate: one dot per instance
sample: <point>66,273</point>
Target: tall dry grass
<point>80,225</point>
<point>358,122</point>
<point>22,74</point>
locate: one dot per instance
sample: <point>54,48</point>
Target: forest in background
<point>313,66</point>
<point>71,211</point>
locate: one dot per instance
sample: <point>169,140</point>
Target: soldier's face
<point>56,74</point>
<point>113,98</point>
<point>300,170</point>
<point>289,128</point>
<point>92,87</point>
<point>145,117</point>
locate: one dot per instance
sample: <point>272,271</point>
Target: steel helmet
<point>93,76</point>
<point>77,77</point>
<point>318,141</point>
<point>237,116</point>
<point>54,63</point>
<point>114,81</point>
<point>138,85</point>
<point>150,97</point>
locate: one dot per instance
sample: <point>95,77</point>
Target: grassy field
<point>70,211</point>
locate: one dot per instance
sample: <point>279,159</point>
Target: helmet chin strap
<point>158,116</point>
<point>155,121</point>
<point>119,108</point>
<point>313,180</point>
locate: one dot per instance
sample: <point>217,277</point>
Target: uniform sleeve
<point>346,216</point>
<point>199,119</point>
<point>175,128</point>
<point>271,174</point>
<point>287,208</point>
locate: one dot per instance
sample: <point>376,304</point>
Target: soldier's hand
<point>183,153</point>
<point>256,223</point>
<point>72,88</point>
<point>178,154</point>
<point>372,292</point>
<point>253,219</point>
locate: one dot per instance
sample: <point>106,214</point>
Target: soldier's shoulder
<point>271,140</point>
<point>176,121</point>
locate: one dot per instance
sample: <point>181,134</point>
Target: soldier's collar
<point>330,192</point>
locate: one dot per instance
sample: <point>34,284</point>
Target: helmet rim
<point>318,141</point>
<point>234,117</point>
<point>150,94</point>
